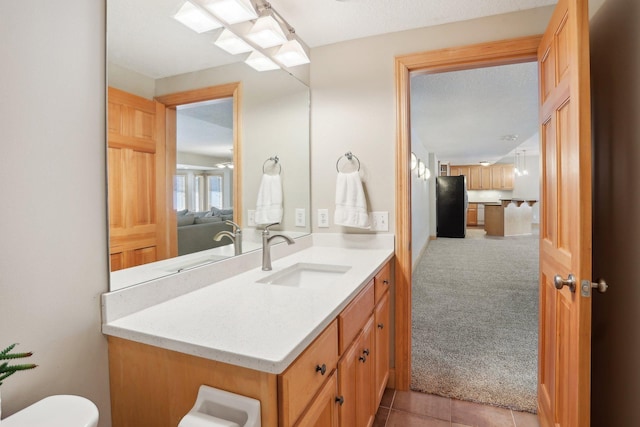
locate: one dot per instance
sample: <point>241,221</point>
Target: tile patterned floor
<point>413,409</point>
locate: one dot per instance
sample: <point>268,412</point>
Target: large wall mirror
<point>192,133</point>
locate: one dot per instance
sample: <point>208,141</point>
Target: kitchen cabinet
<point>479,178</point>
<point>472,214</point>
<point>494,177</point>
<point>502,177</point>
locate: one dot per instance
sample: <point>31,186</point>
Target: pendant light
<point>524,163</point>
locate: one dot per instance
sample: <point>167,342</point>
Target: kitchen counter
<point>510,217</point>
<point>241,322</point>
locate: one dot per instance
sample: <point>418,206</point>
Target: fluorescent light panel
<point>196,19</point>
<point>266,32</point>
<point>292,54</point>
<point>259,62</point>
<point>232,11</point>
<point>232,44</point>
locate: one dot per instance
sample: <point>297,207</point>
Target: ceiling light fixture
<point>232,43</point>
<point>414,160</point>
<point>260,62</point>
<point>266,32</point>
<point>195,18</point>
<point>421,168</point>
<point>292,54</point>
<point>427,174</point>
<point>485,163</point>
<point>232,11</point>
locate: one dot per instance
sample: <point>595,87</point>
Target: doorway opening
<point>495,53</point>
<point>475,287</point>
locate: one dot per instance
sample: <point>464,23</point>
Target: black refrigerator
<point>451,206</point>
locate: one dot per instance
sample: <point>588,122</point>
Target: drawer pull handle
<point>322,369</point>
<point>386,282</point>
<point>365,351</point>
<point>362,359</point>
<point>380,325</point>
<point>340,400</point>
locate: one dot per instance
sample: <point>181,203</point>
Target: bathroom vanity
<point>310,340</point>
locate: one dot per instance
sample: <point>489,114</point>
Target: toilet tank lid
<point>56,411</point>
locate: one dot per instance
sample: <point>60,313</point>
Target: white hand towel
<point>269,203</point>
<point>351,205</point>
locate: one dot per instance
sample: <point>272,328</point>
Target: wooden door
<point>565,235</point>
<point>136,168</point>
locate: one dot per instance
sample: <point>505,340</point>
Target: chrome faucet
<point>266,245</point>
<point>235,236</point>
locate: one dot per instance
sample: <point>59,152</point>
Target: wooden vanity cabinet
<point>299,383</point>
<point>338,380</point>
<point>323,411</point>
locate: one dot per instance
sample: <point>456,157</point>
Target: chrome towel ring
<point>350,156</point>
<point>276,162</point>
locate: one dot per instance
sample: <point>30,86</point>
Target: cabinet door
<point>356,370</point>
<point>507,177</point>
<point>323,411</point>
<point>485,178</point>
<point>382,344</point>
<point>472,214</point>
<point>474,178</point>
<point>365,391</point>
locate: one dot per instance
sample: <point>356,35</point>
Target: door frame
<point>210,93</point>
<point>503,52</point>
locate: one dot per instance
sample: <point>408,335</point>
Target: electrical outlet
<point>251,218</point>
<point>300,217</point>
<point>323,218</point>
<point>380,221</point>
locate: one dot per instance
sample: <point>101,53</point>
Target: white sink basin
<point>306,274</point>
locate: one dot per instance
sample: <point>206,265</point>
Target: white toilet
<point>56,411</point>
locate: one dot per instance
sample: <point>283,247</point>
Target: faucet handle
<point>236,227</point>
<point>266,227</point>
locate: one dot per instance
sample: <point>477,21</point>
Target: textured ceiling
<point>462,116</point>
<point>143,37</point>
<point>322,22</point>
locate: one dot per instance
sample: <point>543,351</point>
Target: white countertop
<point>255,325</point>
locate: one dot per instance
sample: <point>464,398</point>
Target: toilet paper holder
<point>220,408</point>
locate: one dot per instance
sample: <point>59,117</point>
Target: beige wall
<point>53,240</point>
<point>353,100</point>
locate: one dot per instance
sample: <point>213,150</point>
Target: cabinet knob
<point>380,325</point>
<point>365,351</point>
<point>340,400</point>
<point>386,282</point>
<point>362,359</point>
<point>322,369</point>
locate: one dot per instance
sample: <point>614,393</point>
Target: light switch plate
<point>323,218</point>
<point>251,218</point>
<point>380,221</point>
<point>300,217</point>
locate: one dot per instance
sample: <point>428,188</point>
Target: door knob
<point>570,281</point>
<point>586,286</point>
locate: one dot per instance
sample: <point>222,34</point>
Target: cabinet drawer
<point>300,382</point>
<point>382,281</point>
<point>354,316</point>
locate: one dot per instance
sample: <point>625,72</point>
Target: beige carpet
<point>475,320</point>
